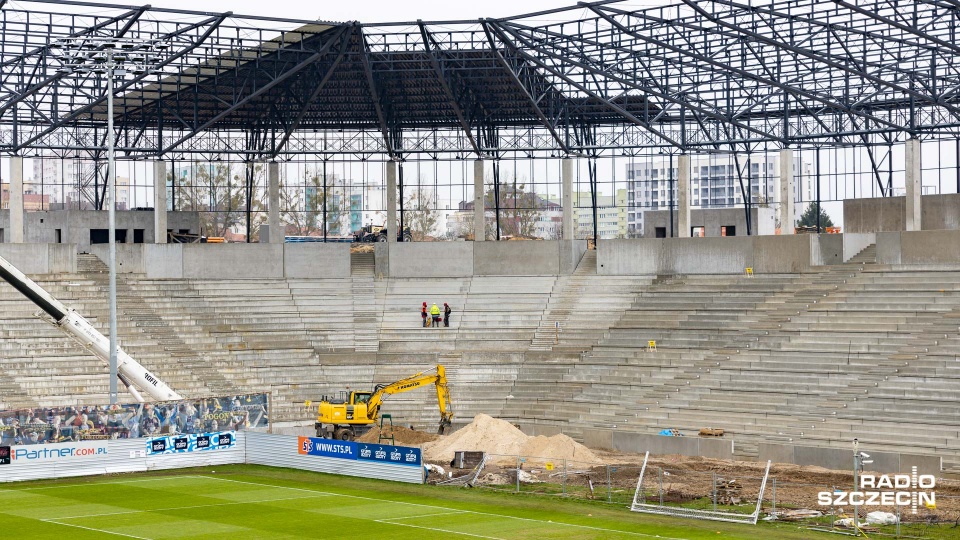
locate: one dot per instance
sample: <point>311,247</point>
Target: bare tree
<point>217,194</point>
<point>420,213</point>
<point>520,209</point>
<point>300,205</point>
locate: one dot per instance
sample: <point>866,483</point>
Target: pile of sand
<point>401,436</point>
<point>502,439</point>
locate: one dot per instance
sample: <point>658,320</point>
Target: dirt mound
<point>485,434</point>
<point>558,447</point>
<point>502,439</point>
<point>401,436</point>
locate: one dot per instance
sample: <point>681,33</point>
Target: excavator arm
<point>437,378</point>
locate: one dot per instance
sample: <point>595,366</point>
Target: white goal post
<point>641,505</point>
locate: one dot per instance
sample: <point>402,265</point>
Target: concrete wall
<point>841,459</point>
<point>938,212</point>
<point>237,261</point>
<point>41,258</point>
<point>129,256</point>
<point>316,260</point>
<point>75,225</point>
<point>730,255</point>
<point>430,259</point>
<point>712,219</point>
<point>516,258</point>
<point>919,248</point>
<point>465,259</point>
<point>826,249</point>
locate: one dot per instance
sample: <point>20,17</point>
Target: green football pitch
<point>239,502</point>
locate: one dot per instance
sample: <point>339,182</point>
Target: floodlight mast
<point>130,372</point>
<point>101,52</point>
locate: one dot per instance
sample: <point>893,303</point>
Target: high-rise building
<point>714,183</point>
<point>611,215</point>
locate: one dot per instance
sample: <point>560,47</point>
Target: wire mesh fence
<point>677,487</point>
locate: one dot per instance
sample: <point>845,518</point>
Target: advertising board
<point>350,450</point>
<point>191,442</point>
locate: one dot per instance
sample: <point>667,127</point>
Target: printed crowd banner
<point>191,442</point>
<point>381,453</point>
<point>45,425</point>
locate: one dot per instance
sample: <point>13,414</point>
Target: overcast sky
<point>369,10</point>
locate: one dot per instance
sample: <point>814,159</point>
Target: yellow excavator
<point>354,413</point>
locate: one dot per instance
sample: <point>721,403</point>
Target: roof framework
<point>699,76</point>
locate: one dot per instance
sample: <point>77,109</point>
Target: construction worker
<point>423,314</point>
<point>446,315</point>
<point>435,314</point>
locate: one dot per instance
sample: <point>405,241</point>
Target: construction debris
<point>728,492</point>
<point>711,432</point>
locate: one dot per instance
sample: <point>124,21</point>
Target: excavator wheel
<point>343,434</point>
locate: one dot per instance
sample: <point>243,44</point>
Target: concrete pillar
<point>787,183</point>
<point>566,174</point>
<point>913,185</point>
<point>159,202</point>
<point>392,221</point>
<point>479,219</point>
<point>16,200</point>
<point>683,196</point>
<point>277,233</point>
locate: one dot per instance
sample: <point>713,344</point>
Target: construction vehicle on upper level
<point>378,233</point>
<point>130,372</point>
<point>354,413</point>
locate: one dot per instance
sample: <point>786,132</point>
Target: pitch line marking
<point>178,477</point>
<point>94,530</point>
<point>189,507</point>
<point>448,531</point>
<point>603,529</point>
<point>424,515</point>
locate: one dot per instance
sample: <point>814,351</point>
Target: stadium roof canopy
<point>708,75</point>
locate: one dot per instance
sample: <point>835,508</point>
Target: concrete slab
<point>777,453</point>
<point>924,464</point>
<point>622,257</point>
<point>598,438</point>
<point>163,261</point>
<point>639,443</point>
<point>129,256</point>
<point>532,258</point>
<point>312,260</point>
<point>235,260</point>
<point>716,448</point>
<point>888,248</point>
<point>929,247</point>
<point>28,258</point>
<point>431,259</point>
<point>786,254</point>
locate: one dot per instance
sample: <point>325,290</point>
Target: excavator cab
<point>356,398</point>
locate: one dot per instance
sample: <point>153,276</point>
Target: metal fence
<point>713,489</point>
